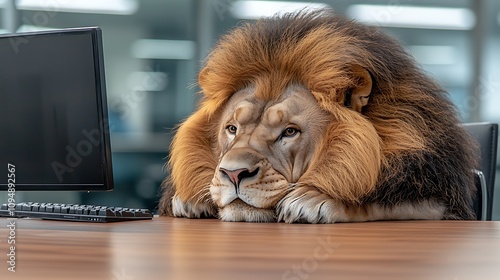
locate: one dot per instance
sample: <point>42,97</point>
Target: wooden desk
<point>170,248</point>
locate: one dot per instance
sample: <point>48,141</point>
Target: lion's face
<point>265,147</point>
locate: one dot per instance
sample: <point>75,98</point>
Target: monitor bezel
<point>100,86</point>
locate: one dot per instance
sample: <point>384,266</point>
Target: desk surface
<point>170,248</point>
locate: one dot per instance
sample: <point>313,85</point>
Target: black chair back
<point>486,134</point>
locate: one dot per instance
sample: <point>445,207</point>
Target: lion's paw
<point>308,205</point>
<point>192,210</point>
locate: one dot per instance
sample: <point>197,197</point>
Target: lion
<point>311,117</point>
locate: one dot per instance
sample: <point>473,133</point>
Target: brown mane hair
<point>423,149</point>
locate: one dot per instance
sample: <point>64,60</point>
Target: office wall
<point>151,89</point>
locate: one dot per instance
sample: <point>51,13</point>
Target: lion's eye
<point>231,129</point>
<point>290,132</point>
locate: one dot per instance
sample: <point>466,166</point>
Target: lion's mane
<point>424,152</point>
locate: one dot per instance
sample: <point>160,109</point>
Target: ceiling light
<point>116,7</point>
<point>33,28</point>
<point>257,9</point>
<point>414,17</point>
<point>163,49</point>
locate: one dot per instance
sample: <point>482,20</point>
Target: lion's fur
<point>405,146</point>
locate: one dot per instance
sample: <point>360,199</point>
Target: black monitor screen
<point>53,123</point>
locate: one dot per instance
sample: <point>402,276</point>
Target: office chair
<point>486,134</point>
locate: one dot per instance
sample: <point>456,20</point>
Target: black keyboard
<point>74,212</point>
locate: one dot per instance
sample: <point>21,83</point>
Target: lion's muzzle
<point>246,174</point>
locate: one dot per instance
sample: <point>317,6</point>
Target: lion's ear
<point>358,96</point>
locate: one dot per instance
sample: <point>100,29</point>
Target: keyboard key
<point>127,213</point>
<point>79,210</point>
<point>94,212</point>
<point>107,213</point>
<point>65,209</point>
<point>35,207</point>
<point>26,207</point>
<point>49,208</point>
<point>142,213</point>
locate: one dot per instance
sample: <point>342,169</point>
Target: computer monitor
<point>53,111</point>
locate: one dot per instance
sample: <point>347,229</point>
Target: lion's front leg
<point>307,204</point>
<point>193,208</point>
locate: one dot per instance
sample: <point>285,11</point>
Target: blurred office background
<point>154,48</point>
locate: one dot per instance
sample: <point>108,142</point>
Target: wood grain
<point>174,248</point>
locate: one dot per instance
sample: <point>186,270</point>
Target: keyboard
<point>74,212</point>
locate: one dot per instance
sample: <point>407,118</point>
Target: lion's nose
<point>237,175</point>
